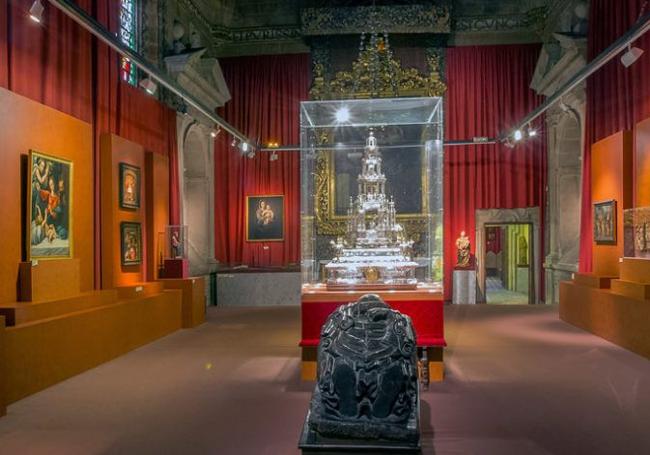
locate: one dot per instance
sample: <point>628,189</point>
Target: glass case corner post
<point>307,184</point>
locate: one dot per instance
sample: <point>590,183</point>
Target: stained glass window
<point>129,37</point>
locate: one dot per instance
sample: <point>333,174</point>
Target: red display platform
<point>423,305</point>
<point>176,268</point>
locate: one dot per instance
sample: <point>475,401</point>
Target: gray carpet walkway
<point>519,382</point>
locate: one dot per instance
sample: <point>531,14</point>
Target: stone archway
<point>197,197</point>
<point>504,216</point>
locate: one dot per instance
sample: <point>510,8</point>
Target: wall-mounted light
<point>148,85</point>
<point>631,55</point>
<point>36,11</point>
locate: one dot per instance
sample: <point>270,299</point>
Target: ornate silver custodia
<point>375,253</point>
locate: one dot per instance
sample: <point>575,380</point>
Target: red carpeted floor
<point>519,381</point>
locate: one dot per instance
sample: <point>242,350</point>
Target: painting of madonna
<point>49,227</point>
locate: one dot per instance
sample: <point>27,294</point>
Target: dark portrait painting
<point>129,186</point>
<point>605,223</point>
<point>49,211</point>
<point>264,218</point>
<point>131,241</point>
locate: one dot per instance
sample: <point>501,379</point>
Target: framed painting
<point>129,186</point>
<point>605,222</point>
<point>49,207</point>
<point>264,218</point>
<point>131,241</point>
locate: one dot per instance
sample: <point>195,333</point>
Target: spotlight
<point>148,85</point>
<point>532,132</point>
<point>36,11</point>
<point>215,132</point>
<point>518,135</point>
<point>244,147</point>
<point>274,156</point>
<point>508,143</point>
<point>343,115</point>
<point>631,55</point>
<point>251,154</point>
<point>234,142</point>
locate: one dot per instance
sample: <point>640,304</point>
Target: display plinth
<point>464,287</point>
<point>312,443</point>
<point>593,281</point>
<point>374,288</point>
<point>25,312</point>
<point>177,268</point>
<point>423,305</point>
<point>193,299</point>
<point>36,279</point>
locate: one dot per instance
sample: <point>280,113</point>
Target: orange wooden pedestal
<point>620,314</point>
<point>48,280</point>
<point>423,305</point>
<point>193,299</point>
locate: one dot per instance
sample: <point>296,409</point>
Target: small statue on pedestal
<point>177,246</point>
<point>463,255</point>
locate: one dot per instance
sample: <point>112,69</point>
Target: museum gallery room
<point>325,227</point>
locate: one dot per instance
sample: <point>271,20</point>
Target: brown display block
<point>17,313</point>
<point>3,374</point>
<point>48,280</point>
<point>139,290</point>
<point>193,299</point>
<point>631,289</point>
<point>593,281</point>
<point>42,353</point>
<point>177,268</point>
<point>635,269</point>
<point>618,318</point>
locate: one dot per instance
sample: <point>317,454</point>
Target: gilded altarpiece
<point>407,63</point>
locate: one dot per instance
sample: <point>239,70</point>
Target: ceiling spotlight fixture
<point>243,146</point>
<point>215,132</point>
<point>518,135</point>
<point>36,11</point>
<point>234,142</point>
<point>274,156</point>
<point>148,85</point>
<point>631,55</point>
<point>251,154</point>
<point>532,132</point>
<point>508,143</point>
<point>343,114</point>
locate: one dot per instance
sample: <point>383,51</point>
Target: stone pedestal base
<point>464,287</point>
<point>177,268</point>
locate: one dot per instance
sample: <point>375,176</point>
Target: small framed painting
<point>49,207</point>
<point>129,186</point>
<point>265,218</point>
<point>605,222</point>
<point>131,241</point>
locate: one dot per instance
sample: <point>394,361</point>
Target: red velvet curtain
<point>266,91</point>
<point>617,97</point>
<point>489,91</point>
<point>61,65</point>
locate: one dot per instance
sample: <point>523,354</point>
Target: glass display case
<point>371,207</point>
<point>176,242</point>
<point>636,238</point>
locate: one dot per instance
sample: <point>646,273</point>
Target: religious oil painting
<point>605,223</point>
<point>129,186</point>
<point>131,241</point>
<point>264,218</point>
<point>49,211</point>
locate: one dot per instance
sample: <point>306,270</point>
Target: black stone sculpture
<point>366,394</point>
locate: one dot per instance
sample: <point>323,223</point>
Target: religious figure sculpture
<point>522,260</point>
<point>367,387</point>
<point>374,253</point>
<point>463,255</point>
